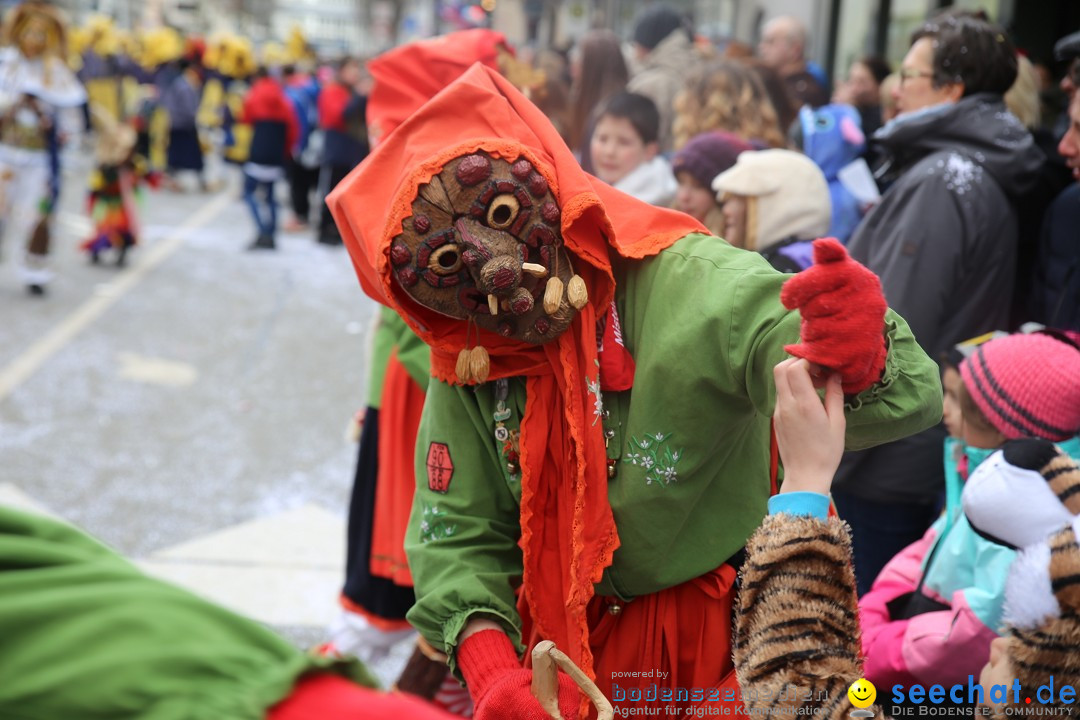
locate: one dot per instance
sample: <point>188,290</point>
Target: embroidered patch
<point>440,468</point>
<point>658,459</point>
<point>433,525</point>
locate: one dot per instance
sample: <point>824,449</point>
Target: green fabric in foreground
<point>85,634</point>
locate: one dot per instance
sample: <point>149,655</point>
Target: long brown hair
<point>603,73</point>
<point>786,109</point>
<point>726,95</point>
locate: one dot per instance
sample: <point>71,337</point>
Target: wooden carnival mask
<point>483,244</point>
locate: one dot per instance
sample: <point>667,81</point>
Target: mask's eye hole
<point>503,211</point>
<point>445,260</point>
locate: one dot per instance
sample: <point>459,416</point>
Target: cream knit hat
<point>791,193</point>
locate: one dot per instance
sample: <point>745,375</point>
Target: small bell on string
<point>464,366</point>
<point>479,364</point>
<point>576,292</point>
<point>553,295</point>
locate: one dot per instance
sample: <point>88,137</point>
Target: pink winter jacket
<point>968,574</point>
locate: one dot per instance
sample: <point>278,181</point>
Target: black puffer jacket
<point>944,241</point>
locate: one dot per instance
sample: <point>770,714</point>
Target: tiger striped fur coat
<point>797,646</point>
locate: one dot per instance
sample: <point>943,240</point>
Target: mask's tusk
<point>493,304</point>
<point>534,269</point>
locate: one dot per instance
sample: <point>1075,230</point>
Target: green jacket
<point>85,635</point>
<point>391,333</point>
<point>690,440</point>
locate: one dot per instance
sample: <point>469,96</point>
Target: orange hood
<point>410,75</point>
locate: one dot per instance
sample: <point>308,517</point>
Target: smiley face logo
<point>862,693</point>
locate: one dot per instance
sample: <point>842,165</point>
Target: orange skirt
<point>399,422</point>
<point>670,649</point>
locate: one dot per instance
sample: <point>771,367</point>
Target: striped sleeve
<point>797,631</point>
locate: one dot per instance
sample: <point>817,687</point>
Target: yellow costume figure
<point>229,62</point>
<point>100,70</point>
<point>155,49</point>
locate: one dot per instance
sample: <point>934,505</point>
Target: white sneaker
<point>352,635</point>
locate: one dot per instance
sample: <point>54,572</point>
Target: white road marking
<point>155,371</point>
<point>26,364</point>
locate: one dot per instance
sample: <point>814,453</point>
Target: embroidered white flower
<point>598,403</point>
<point>658,460</point>
<point>433,525</point>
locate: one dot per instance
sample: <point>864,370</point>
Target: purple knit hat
<point>707,155</point>
<point>1026,385</point>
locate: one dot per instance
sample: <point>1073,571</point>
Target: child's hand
<point>810,435</point>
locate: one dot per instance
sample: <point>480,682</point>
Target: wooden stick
<point>547,661</point>
<point>545,679</point>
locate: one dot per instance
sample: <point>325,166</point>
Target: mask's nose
<point>493,258</point>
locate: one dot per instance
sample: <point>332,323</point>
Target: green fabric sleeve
<point>462,542</point>
<point>906,400</point>
<point>88,635</point>
<point>414,354</point>
<point>387,328</point>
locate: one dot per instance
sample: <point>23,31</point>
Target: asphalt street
<point>189,410</point>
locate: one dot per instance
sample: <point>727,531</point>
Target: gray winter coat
<point>662,77</point>
<point>943,240</point>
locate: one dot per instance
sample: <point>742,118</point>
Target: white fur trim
<point>1029,597</point>
<point>1013,504</point>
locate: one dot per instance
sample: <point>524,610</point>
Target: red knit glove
<point>843,316</point>
<point>500,687</point>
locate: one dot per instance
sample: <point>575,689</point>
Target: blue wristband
<point>811,504</point>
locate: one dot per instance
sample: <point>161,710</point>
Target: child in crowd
<point>797,634</point>
<point>696,165</point>
<point>935,608</point>
<point>114,188</point>
<point>625,149</point>
<point>775,202</point>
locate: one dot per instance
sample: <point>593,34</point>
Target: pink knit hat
<point>1026,385</point>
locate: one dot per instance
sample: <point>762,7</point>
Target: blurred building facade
<point>840,30</point>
